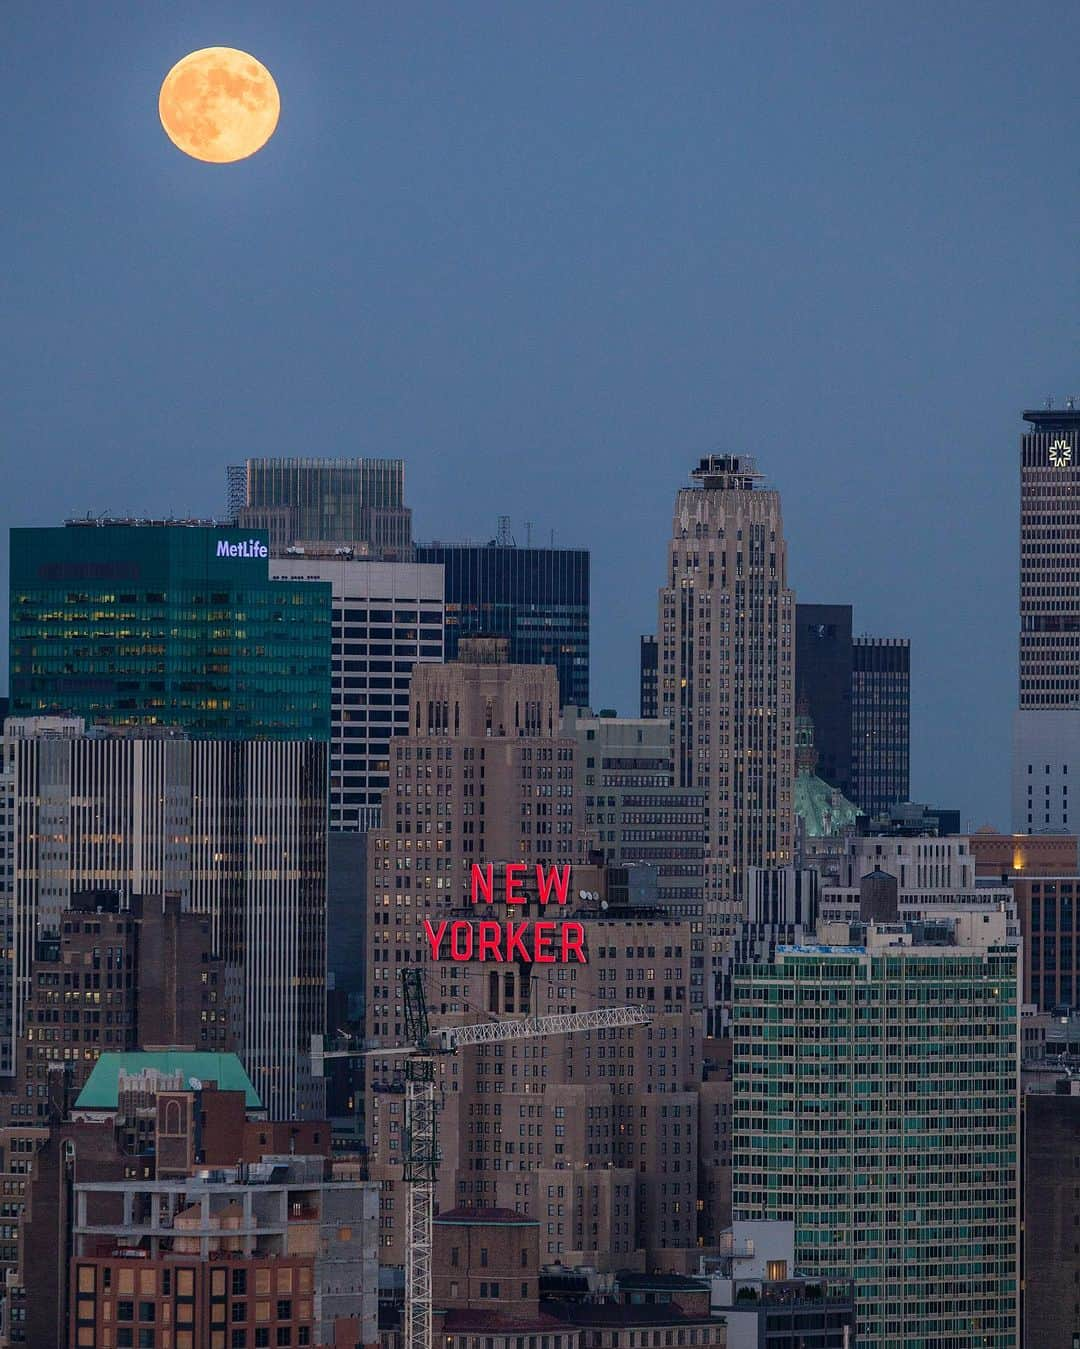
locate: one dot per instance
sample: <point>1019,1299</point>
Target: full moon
<point>219,105</point>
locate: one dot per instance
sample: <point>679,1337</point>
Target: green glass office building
<point>875,1106</point>
<point>160,623</point>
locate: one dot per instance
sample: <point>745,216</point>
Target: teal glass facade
<point>875,1106</point>
<point>181,625</point>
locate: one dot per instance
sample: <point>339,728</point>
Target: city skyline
<point>773,238</point>
<point>542,596</point>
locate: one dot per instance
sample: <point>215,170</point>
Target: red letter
<point>515,875</point>
<point>544,932</point>
<point>455,932</point>
<point>561,882</point>
<point>435,938</point>
<point>513,939</point>
<point>482,882</point>
<point>490,941</point>
<point>573,939</point>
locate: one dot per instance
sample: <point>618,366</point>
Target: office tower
<point>823,678</point>
<point>1048,908</point>
<point>727,678</point>
<point>1050,1121</point>
<point>354,503</point>
<point>875,1090</point>
<point>636,814</point>
<point>387,617</point>
<point>162,623</point>
<point>650,677</point>
<point>880,722</point>
<point>858,693</point>
<point>237,828</point>
<point>537,598</point>
<point>1046,727</point>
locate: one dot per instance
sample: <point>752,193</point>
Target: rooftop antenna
<point>528,533</point>
<point>1070,402</point>
<point>1049,404</point>
<point>506,539</point>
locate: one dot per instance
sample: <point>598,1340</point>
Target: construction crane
<point>421,1150</point>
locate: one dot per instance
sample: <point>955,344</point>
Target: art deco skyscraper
<point>726,677</point>
<point>1046,731</point>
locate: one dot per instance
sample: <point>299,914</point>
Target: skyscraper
<point>727,672</point>
<point>875,1091</point>
<point>356,503</point>
<point>880,722</point>
<point>858,694</point>
<point>141,623</point>
<point>387,617</point>
<point>236,828</point>
<point>823,668</point>
<point>1046,729</point>
<point>537,598</point>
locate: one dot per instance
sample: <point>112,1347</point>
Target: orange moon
<point>219,105</point>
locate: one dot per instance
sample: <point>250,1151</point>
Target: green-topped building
<point>875,1088</point>
<point>141,623</point>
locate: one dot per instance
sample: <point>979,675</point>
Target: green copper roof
<point>826,811</point>
<point>225,1069</point>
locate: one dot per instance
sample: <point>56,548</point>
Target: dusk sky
<point>551,254</point>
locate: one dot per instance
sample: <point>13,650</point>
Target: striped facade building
<point>237,828</point>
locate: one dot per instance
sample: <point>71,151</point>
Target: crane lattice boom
<point>559,1023</point>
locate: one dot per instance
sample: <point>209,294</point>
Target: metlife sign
<point>246,548</point>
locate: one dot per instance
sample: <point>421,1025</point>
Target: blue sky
<point>551,254</point>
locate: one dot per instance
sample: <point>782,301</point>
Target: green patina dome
<point>825,811</point>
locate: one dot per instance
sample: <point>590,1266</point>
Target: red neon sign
<point>541,941</point>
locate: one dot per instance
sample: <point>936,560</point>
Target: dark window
<point>125,1311</point>
<point>284,1309</point>
<point>146,1311</point>
<point>284,1335</point>
<point>239,1282</point>
<point>239,1339</point>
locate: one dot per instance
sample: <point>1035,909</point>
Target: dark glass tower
<point>880,722</point>
<point>142,624</point>
<point>537,598</point>
<point>823,662</point>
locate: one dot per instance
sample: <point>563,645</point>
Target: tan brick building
<point>609,1117</point>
